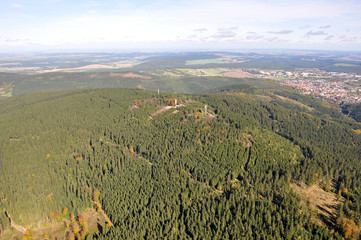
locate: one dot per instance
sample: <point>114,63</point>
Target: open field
<point>204,61</point>
<point>323,204</point>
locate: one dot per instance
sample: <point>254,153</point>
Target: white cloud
<point>316,33</point>
<point>203,20</point>
<point>281,32</point>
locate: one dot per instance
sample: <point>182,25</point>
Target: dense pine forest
<point>151,166</point>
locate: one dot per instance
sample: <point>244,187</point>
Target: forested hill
<point>154,170</point>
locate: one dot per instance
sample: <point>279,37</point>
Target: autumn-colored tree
<point>75,228</point>
<point>72,218</point>
<point>348,228</point>
<point>57,216</point>
<point>131,150</point>
<point>137,102</point>
<point>27,235</point>
<point>96,194</point>
<point>65,211</point>
<point>81,235</point>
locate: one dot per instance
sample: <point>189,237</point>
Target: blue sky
<point>29,25</point>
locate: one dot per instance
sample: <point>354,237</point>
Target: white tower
<point>205,109</point>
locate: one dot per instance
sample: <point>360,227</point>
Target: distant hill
<point>153,169</point>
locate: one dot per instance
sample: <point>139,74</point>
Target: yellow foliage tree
<point>82,220</point>
<point>131,150</point>
<point>348,228</point>
<point>65,211</point>
<point>75,228</point>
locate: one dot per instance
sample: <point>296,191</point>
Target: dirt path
<point>17,227</point>
<point>163,109</point>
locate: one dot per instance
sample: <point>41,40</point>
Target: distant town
<point>334,87</point>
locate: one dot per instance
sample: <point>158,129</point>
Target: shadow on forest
<point>326,216</point>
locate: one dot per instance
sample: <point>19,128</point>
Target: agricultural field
<point>204,61</point>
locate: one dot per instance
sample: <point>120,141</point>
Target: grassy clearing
<point>323,205</point>
<point>213,72</point>
<point>206,72</point>
<point>58,230</point>
<point>8,94</point>
<point>204,61</point>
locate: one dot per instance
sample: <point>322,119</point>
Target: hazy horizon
<point>62,25</point>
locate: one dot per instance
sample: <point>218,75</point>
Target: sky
<point>63,25</point>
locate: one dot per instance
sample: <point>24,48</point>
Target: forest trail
<point>17,227</point>
<point>163,109</point>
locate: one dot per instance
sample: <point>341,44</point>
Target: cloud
<point>329,37</point>
<point>201,30</point>
<point>253,36</point>
<point>16,5</point>
<point>324,26</point>
<point>316,33</point>
<point>225,33</point>
<point>306,26</point>
<point>281,32</point>
<point>12,40</point>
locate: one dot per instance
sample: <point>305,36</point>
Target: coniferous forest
<point>164,167</point>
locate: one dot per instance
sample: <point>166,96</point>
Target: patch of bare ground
<point>129,75</point>
<point>140,86</point>
<point>162,110</point>
<point>93,66</point>
<point>142,158</point>
<point>234,73</point>
<point>133,107</point>
<point>14,139</point>
<point>58,230</point>
<point>246,140</point>
<point>323,204</point>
